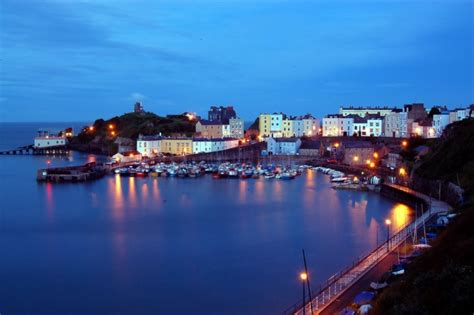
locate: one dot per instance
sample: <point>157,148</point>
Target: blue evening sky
<point>80,60</point>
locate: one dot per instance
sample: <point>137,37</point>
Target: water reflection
<point>49,200</point>
<point>132,194</point>
<point>399,216</point>
<point>117,198</point>
<point>243,187</point>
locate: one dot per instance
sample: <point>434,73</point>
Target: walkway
<point>343,281</point>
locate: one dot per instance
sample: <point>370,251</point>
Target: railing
<point>339,282</point>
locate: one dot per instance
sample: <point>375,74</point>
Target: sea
<point>171,245</point>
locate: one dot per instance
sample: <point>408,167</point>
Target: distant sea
<point>16,134</point>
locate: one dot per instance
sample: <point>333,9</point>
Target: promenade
<point>339,290</point>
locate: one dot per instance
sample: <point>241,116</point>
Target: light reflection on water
<point>215,242</point>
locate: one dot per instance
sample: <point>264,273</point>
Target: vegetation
<point>442,280</point>
<point>102,135</point>
<point>452,158</point>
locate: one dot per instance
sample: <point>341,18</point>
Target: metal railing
<point>329,290</point>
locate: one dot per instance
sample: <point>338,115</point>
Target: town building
<point>221,114</point>
<point>202,145</point>
<point>357,153</point>
<point>210,129</point>
<point>126,157</point>
<point>311,148</point>
<point>458,114</point>
<point>149,146</point>
<point>440,121</point>
<point>45,139</point>
<point>363,111</point>
<point>283,146</point>
<point>236,128</point>
<point>177,146</point>
<point>415,111</point>
<point>396,124</point>
<point>423,128</point>
<point>337,125</point>
<point>271,125</point>
<point>311,125</point>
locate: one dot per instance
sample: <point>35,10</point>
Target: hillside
<point>442,280</point>
<point>100,137</point>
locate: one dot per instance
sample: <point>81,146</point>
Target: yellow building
<point>288,131</point>
<point>177,146</point>
<point>270,125</point>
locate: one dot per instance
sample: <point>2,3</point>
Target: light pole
<point>387,223</point>
<point>304,277</point>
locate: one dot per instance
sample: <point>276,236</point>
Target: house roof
<point>310,144</point>
<point>357,144</point>
<point>213,139</point>
<point>150,138</point>
<point>210,123</point>
<point>285,139</point>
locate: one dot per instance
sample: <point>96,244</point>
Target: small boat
<point>269,176</point>
<point>286,176</point>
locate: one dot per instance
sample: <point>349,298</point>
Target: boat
<point>286,176</point>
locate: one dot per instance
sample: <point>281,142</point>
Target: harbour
<point>156,237</point>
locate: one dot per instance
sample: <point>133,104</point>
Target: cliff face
<point>449,166</point>
<point>441,281</point>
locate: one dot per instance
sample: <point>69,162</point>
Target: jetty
<point>80,173</point>
<point>334,294</point>
<point>31,150</point>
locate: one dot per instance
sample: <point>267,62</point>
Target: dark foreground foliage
<point>442,280</point>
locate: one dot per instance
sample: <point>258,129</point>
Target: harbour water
<point>170,245</point>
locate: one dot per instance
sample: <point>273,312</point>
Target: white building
<point>458,114</point>
<point>374,125</point>
<point>283,146</point>
<point>440,121</point>
<point>236,128</point>
<point>149,146</point>
<point>124,157</point>
<point>311,125</point>
<point>337,125</point>
<point>396,125</point>
<point>46,140</point>
<point>202,145</point>
<point>49,142</point>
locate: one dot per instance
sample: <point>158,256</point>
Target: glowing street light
<point>372,165</point>
<point>402,171</point>
<point>91,128</point>
<point>111,126</point>
<point>376,155</point>
<point>356,158</point>
<point>304,278</point>
<point>336,145</point>
<point>404,143</point>
<point>112,133</point>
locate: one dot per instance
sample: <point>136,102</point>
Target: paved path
<point>342,287</point>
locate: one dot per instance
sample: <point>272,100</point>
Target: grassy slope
<point>130,125</point>
<point>442,280</point>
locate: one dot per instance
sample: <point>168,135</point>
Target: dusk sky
<point>81,60</point>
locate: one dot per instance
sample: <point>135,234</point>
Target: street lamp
<point>356,158</point>
<point>388,223</point>
<point>304,278</point>
<point>404,143</point>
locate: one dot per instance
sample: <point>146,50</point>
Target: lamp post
<point>304,277</point>
<point>388,223</point>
